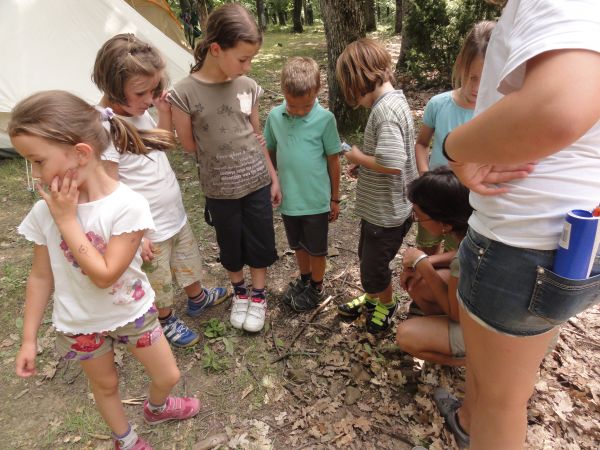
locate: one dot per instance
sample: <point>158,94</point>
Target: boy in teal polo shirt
<point>304,145</point>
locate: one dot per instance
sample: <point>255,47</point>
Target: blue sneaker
<point>178,333</point>
<point>213,296</point>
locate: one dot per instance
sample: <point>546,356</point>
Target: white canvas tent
<point>52,44</point>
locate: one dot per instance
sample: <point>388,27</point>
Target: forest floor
<point>338,386</point>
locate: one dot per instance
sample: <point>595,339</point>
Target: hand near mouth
<point>62,197</point>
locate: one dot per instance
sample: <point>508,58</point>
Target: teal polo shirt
<point>302,145</point>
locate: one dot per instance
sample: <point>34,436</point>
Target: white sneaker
<point>239,309</point>
<point>255,318</point>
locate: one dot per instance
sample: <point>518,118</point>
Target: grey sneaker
<point>308,299</point>
<point>448,406</point>
<point>294,288</point>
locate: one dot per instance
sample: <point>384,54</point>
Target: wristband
<point>444,152</point>
<point>418,260</point>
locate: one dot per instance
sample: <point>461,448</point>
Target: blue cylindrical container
<point>578,245</point>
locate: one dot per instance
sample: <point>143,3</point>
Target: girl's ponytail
<point>200,55</point>
<point>128,139</point>
<point>64,118</point>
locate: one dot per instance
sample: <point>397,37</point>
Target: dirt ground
<point>339,387</point>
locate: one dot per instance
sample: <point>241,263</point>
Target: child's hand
<point>275,194</point>
<point>334,211</point>
<point>62,197</point>
<point>353,154</point>
<point>25,361</point>
<point>161,103</point>
<point>261,140</point>
<point>352,170</point>
<point>147,250</point>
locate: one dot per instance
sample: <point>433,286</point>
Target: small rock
<point>352,395</point>
<point>216,440</point>
<point>337,386</point>
<point>359,374</point>
<point>298,375</point>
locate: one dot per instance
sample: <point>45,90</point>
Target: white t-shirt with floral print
<point>80,307</point>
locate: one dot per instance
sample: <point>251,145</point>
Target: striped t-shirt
<point>390,137</point>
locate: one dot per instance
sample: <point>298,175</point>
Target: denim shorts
<point>514,291</point>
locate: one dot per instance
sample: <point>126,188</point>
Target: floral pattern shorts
<point>142,332</point>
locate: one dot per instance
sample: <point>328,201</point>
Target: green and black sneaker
<point>293,290</point>
<point>378,319</point>
<point>354,308</point>
<point>306,300</point>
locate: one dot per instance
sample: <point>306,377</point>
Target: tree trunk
<point>304,16</point>
<point>343,23</point>
<point>203,13</point>
<point>406,38</point>
<point>281,17</point>
<point>308,14</point>
<point>369,11</point>
<point>399,17</point>
<point>297,17</point>
<point>262,15</point>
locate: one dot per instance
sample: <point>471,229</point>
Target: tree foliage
<point>432,34</point>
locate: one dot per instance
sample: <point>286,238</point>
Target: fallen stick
<point>302,328</point>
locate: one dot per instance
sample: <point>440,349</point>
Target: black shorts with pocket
<point>244,229</point>
<point>377,247</point>
<point>307,232</point>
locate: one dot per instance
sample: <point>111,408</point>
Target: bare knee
<point>406,337</point>
<point>168,378</point>
<point>106,386</point>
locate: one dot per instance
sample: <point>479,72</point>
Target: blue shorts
<point>513,290</point>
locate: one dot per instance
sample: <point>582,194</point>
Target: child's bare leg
<point>427,338</point>
<point>104,381</point>
<point>304,261</point>
<point>385,296</point>
<point>318,264</point>
<point>258,276</point>
<point>160,364</point>
<point>193,290</point>
<point>236,277</point>
<point>421,293</point>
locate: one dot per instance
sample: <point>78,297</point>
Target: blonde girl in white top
<point>87,231</point>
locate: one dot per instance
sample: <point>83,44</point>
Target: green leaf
<point>228,345</point>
